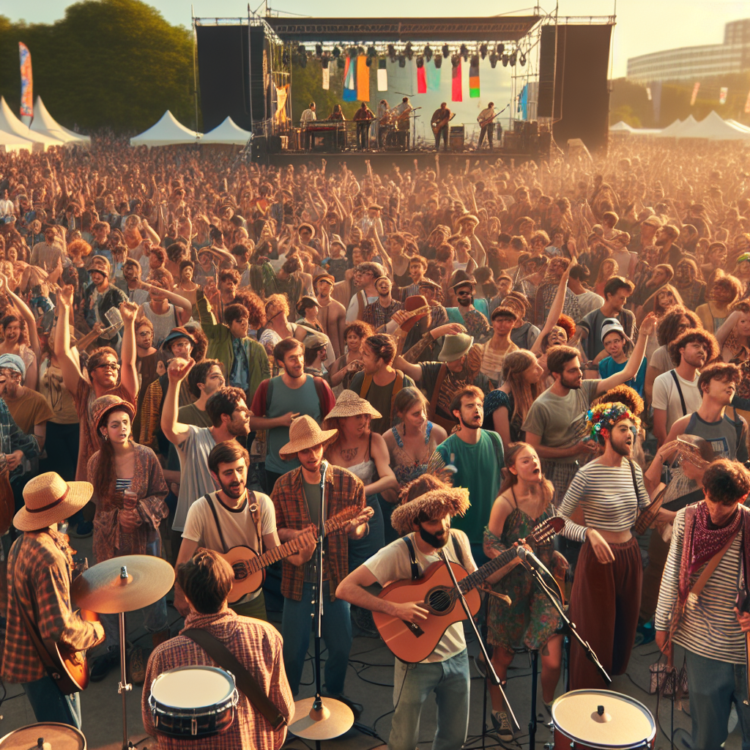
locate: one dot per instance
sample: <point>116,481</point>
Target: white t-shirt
<point>392,564</point>
<point>588,301</point>
<point>237,526</point>
<point>195,477</point>
<point>666,396</point>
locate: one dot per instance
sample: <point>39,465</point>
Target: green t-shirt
<point>312,496</point>
<point>479,470</point>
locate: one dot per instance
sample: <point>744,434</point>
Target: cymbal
<point>334,719</point>
<point>104,590</point>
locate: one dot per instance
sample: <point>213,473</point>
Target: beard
<point>233,489</point>
<point>465,301</point>
<point>572,386</point>
<point>622,448</point>
<point>434,541</point>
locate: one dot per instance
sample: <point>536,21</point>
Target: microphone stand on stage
<point>488,662</point>
<point>538,571</point>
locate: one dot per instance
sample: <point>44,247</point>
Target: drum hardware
<point>120,585</point>
<point>48,735</point>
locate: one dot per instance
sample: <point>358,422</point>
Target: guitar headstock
<point>547,529</point>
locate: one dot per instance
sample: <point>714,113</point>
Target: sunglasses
<point>108,366</point>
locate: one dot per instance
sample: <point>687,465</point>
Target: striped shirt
<point>607,496</point>
<point>709,626</point>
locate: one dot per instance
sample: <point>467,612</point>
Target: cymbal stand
<point>488,662</point>
<point>124,687</point>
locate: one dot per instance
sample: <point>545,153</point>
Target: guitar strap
<point>254,507</point>
<point>415,572</point>
<point>210,502</point>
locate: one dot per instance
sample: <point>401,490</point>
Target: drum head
<point>60,736</point>
<point>192,687</point>
<point>626,723</point>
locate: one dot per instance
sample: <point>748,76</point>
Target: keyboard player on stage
<point>308,116</point>
<point>338,116</point>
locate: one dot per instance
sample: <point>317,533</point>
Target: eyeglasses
<point>108,366</point>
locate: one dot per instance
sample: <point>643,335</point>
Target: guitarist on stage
<point>39,579</point>
<point>228,518</point>
<point>439,122</point>
<point>425,522</point>
<point>486,121</point>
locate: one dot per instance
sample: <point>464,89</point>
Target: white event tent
<point>10,142</point>
<point>714,128</point>
<point>44,124</point>
<point>9,123</point>
<point>167,132</point>
<point>227,134</point>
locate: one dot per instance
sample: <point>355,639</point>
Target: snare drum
<point>193,702</point>
<point>58,736</point>
<point>601,720</point>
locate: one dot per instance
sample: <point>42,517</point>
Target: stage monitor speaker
<point>274,144</point>
<point>546,72</point>
<point>259,149</point>
<point>258,72</point>
<point>456,137</point>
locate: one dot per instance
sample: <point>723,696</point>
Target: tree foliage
<point>107,63</point>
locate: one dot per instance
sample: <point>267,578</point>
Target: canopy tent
<point>167,132</point>
<point>227,134</point>
<point>620,127</point>
<point>11,142</point>
<point>739,125</point>
<point>714,128</point>
<point>671,130</point>
<point>44,124</point>
<point>9,123</point>
<point>677,129</point>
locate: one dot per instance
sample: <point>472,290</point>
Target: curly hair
<point>362,329</point>
<point>719,371</point>
<point>201,341</point>
<point>279,300</point>
<point>726,482</point>
<point>255,308</point>
<point>79,246</point>
<point>604,416</point>
<point>690,336</point>
<point>669,326</point>
<point>223,401</point>
<point>624,394</point>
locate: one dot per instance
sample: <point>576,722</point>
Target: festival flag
<point>382,75</point>
<point>723,91</point>
<point>363,79</point>
<point>326,74</point>
<point>433,76</point>
<point>648,92</point>
<point>696,89</point>
<point>27,81</point>
<point>421,76</point>
<point>747,104</point>
<point>282,93</point>
<point>457,94</point>
<point>350,81</point>
<point>474,80</point>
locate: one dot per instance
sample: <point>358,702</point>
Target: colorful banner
<point>523,103</point>
<point>723,91</point>
<point>27,81</point>
<point>433,76</point>
<point>350,81</point>
<point>474,81</point>
<point>421,78</point>
<point>382,76</point>
<point>457,92</point>
<point>363,79</point>
<point>694,96</point>
<point>648,92</point>
<point>282,93</point>
<point>747,104</point>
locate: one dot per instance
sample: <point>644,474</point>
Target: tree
<point>107,63</point>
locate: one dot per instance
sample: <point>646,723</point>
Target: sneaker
<point>103,665</point>
<point>82,530</point>
<point>502,726</point>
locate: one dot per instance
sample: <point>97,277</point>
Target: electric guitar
<point>438,126</point>
<point>488,120</point>
<point>412,642</point>
<point>250,567</point>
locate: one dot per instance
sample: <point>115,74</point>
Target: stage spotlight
<point>493,59</point>
<point>336,52</point>
<point>401,61</point>
<point>475,61</point>
<point>522,59</point>
<point>455,60</point>
<point>302,60</point>
<point>360,50</point>
<point>500,49</point>
<point>505,60</point>
<point>352,52</point>
<point>371,51</point>
<point>438,60</point>
<point>428,53</point>
<point>446,50</point>
<point>318,50</point>
<point>464,52</point>
<point>483,50</point>
<point>409,51</point>
<point>513,59</point>
<point>392,52</point>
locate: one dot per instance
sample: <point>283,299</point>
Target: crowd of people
<point>199,353</point>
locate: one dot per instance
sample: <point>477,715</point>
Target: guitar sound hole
<point>439,600</point>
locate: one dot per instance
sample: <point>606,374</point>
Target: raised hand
<point>128,311</point>
<point>179,368</point>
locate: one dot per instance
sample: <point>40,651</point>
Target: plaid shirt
<point>257,646</point>
<point>13,438</point>
<point>377,315</point>
<point>39,564</point>
<point>343,491</point>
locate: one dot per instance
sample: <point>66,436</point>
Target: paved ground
<point>370,682</point>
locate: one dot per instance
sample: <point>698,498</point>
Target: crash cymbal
<point>334,719</point>
<point>123,584</point>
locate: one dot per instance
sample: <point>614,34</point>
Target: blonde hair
<point>280,300</point>
<point>524,393</point>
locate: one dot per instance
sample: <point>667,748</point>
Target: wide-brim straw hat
<point>434,504</point>
<point>349,404</point>
<point>105,404</point>
<point>305,433</point>
<point>49,499</point>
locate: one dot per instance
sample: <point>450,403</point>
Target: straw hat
<point>305,433</point>
<point>323,277</point>
<point>349,404</point>
<point>49,499</point>
<point>435,503</point>
<point>105,404</point>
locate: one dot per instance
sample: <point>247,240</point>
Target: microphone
<point>530,560</point>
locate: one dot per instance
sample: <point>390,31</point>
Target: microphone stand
<point>488,662</point>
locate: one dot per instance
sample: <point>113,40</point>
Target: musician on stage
<point>401,114</point>
<point>39,578</point>
<point>486,120</point>
<point>338,116</point>
<point>307,117</point>
<point>206,580</point>
<point>363,117</point>
<point>297,498</point>
<point>230,517</point>
<point>439,122</point>
<point>383,118</point>
<point>424,520</point>
<point>711,622</point>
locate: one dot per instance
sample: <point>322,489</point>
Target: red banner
<point>458,93</point>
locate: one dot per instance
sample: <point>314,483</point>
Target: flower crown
<point>743,257</point>
<point>605,417</point>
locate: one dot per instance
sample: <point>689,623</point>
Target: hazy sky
<point>642,25</point>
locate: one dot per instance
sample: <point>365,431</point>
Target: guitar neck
<point>479,576</point>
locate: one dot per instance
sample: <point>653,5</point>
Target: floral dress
<point>531,618</point>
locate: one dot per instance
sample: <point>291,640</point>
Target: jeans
<point>714,687</point>
<point>49,704</point>
<point>361,550</point>
<point>337,635</point>
<point>412,685</point>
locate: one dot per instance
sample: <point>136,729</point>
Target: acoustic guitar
<point>438,126</point>
<point>250,567</point>
<point>413,642</point>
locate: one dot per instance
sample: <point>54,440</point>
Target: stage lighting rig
<point>446,50</point>
<point>438,61</point>
<point>464,52</point>
<point>505,60</point>
<point>318,50</point>
<point>401,61</point>
<point>483,50</point>
<point>409,51</point>
<point>522,59</point>
<point>493,59</point>
<point>455,60</point>
<point>513,59</point>
<point>500,49</point>
<point>392,52</point>
<point>475,61</point>
<point>428,53</point>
